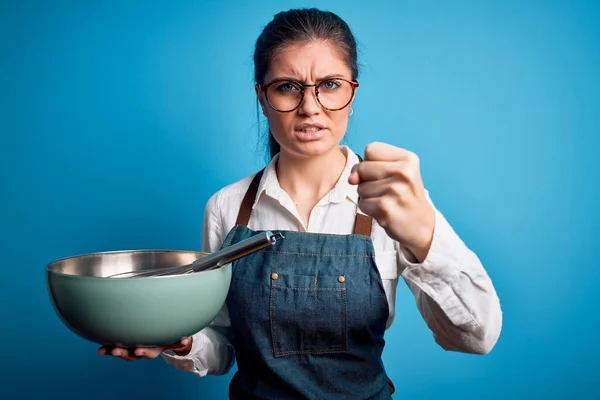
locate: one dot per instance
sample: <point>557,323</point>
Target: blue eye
<point>330,85</point>
<point>286,87</point>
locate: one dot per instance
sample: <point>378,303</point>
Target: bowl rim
<point>50,266</point>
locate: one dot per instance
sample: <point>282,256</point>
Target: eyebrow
<point>324,78</point>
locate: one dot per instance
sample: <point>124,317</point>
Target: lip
<point>315,134</point>
<point>307,125</point>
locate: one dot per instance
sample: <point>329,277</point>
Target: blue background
<point>120,119</point>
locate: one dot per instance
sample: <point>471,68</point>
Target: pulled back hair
<point>299,26</point>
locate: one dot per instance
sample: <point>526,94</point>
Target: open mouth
<point>309,132</point>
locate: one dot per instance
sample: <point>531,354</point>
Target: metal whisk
<point>213,260</point>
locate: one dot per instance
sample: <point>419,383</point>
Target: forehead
<point>308,62</point>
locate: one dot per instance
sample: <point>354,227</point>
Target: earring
<point>351,111</point>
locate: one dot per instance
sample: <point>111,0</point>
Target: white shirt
<point>453,292</point>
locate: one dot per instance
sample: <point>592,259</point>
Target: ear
<point>354,95</point>
<point>353,98</point>
<point>260,97</point>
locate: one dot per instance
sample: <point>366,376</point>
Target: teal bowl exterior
<point>129,312</point>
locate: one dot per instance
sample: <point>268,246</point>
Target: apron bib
<point>308,315</point>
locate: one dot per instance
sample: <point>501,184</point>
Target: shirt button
<point>274,276</point>
<point>341,279</point>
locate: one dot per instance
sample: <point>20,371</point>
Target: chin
<point>311,149</point>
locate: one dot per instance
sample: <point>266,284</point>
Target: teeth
<point>310,130</point>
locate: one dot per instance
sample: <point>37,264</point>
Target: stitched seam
<point>316,296</point>
<point>381,290</point>
<point>273,330</point>
<point>344,301</point>
<point>232,236</point>
<point>334,350</point>
<point>317,254</point>
<point>309,289</point>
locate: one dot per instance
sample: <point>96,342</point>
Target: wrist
<point>421,246</point>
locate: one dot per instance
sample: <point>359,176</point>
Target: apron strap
<point>362,223</point>
<point>246,207</point>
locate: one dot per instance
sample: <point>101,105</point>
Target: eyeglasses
<point>285,95</point>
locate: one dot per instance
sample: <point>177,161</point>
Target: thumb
<point>183,347</point>
<point>354,178</point>
<point>185,342</point>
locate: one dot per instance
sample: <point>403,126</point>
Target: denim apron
<point>308,315</point>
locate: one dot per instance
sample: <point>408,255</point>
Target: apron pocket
<point>308,314</point>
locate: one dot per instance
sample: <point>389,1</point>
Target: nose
<point>309,104</point>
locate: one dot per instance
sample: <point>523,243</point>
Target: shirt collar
<point>269,184</point>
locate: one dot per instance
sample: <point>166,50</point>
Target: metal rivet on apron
<point>274,275</point>
<point>341,279</point>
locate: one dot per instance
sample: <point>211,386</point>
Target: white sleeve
<point>454,293</point>
<point>212,351</point>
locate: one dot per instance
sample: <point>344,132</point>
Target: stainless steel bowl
<point>144,311</point>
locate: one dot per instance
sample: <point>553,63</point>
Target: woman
<point>307,317</point>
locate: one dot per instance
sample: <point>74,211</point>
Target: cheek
<point>340,123</point>
<point>280,123</point>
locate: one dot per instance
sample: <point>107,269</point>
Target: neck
<point>310,177</point>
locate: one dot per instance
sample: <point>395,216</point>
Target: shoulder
<point>228,198</point>
<point>220,213</point>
